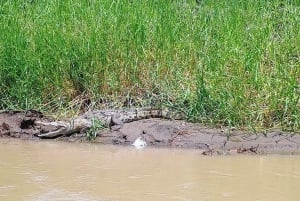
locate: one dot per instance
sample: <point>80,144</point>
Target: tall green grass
<point>226,62</point>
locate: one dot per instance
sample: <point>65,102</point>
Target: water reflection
<point>60,195</point>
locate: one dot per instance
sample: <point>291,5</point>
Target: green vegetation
<point>228,62</point>
<point>97,126</point>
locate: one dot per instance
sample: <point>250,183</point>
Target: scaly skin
<point>115,119</point>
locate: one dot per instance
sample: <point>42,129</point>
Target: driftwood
<point>113,119</point>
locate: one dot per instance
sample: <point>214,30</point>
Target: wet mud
<point>161,133</point>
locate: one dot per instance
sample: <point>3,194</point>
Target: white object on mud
<point>139,143</point>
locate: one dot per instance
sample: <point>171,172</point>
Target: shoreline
<point>164,133</point>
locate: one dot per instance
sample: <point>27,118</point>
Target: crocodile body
<point>114,119</point>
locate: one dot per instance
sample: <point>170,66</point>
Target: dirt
<point>161,133</point>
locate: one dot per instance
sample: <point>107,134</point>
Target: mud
<point>161,133</point>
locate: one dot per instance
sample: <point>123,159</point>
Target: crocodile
<point>114,119</point>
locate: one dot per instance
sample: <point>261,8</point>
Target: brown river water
<point>56,171</point>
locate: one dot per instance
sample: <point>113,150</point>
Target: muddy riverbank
<point>161,133</point>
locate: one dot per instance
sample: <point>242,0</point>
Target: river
<point>57,171</point>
